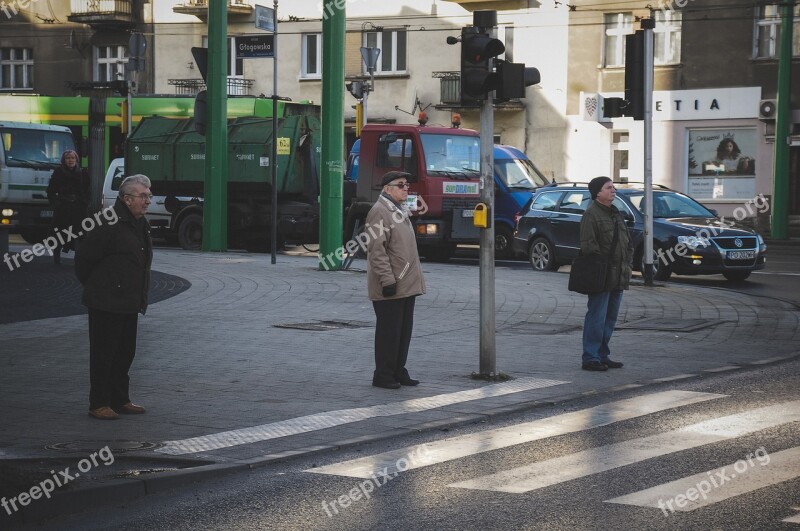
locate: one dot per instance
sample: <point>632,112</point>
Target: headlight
<point>7,212</point>
<point>694,242</point>
<point>760,239</point>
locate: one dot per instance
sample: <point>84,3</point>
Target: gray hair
<point>128,183</point>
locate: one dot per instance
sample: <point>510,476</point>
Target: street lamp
<point>370,56</point>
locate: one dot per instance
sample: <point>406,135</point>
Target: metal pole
<point>364,107</point>
<point>783,124</point>
<point>332,166</point>
<point>648,25</point>
<point>215,207</point>
<point>129,98</point>
<point>274,155</point>
<point>488,354</point>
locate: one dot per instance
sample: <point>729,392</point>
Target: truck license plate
<point>741,255</point>
<point>46,214</point>
<point>467,213</point>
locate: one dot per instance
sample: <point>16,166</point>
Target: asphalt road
<point>585,464</point>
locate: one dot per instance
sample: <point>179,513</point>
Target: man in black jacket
<point>113,264</point>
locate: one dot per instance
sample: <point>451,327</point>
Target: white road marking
<point>793,519</point>
<point>474,443</point>
<point>603,458</point>
<point>330,419</point>
<point>693,492</point>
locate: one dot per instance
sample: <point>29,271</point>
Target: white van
<point>157,215</point>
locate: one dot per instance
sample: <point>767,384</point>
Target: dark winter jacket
<point>113,263</point>
<point>597,234</point>
<point>68,193</point>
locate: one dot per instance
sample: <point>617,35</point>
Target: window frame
<point>304,72</point>
<point>118,62</point>
<point>669,23</point>
<point>772,24</point>
<point>378,36</point>
<point>622,26</point>
<point>25,62</point>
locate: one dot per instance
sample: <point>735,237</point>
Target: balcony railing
<point>199,8</point>
<point>101,11</point>
<point>236,86</point>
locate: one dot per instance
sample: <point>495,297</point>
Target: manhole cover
<point>538,329</point>
<point>114,446</point>
<point>321,326</point>
<point>669,325</point>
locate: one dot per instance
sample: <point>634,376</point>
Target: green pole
<point>215,206</point>
<point>783,123</point>
<point>330,218</point>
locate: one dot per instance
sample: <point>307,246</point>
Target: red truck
<point>444,164</point>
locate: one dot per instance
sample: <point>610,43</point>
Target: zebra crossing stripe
<point>603,458</point>
<point>474,443</point>
<point>693,492</point>
<point>793,519</point>
<point>329,419</point>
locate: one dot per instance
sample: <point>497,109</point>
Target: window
<point>397,153</point>
<point>617,26</point>
<point>16,68</point>
<point>311,64</point>
<point>546,201</point>
<point>667,37</point>
<point>392,44</point>
<point>721,163</point>
<point>620,149</point>
<point>768,32</point>
<point>575,202</point>
<point>110,62</point>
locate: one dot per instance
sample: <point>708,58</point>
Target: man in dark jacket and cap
<point>113,264</point>
<point>597,236</point>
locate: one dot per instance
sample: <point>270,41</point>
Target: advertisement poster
<point>722,163</point>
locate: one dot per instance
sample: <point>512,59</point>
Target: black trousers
<point>112,346</point>
<point>394,323</point>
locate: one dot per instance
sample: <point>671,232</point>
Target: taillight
<point>516,217</point>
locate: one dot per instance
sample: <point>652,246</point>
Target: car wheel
<point>661,271</point>
<point>542,255</point>
<point>190,232</point>
<point>736,276</point>
<point>503,238</point>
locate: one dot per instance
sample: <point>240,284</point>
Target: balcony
<point>199,8</point>
<point>450,95</point>
<point>102,12</point>
<point>497,5</point>
<point>236,86</point>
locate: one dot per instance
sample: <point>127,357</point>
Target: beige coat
<point>392,252</point>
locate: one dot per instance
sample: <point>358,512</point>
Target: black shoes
<point>613,364</point>
<point>409,382</point>
<point>386,385</point>
<point>593,366</point>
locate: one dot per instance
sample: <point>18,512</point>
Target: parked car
<point>688,238</point>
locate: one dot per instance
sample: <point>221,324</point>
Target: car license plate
<point>467,213</point>
<point>46,214</point>
<point>741,255</point>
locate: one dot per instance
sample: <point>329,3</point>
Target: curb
<point>127,490</point>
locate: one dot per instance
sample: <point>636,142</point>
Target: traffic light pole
<point>488,353</point>
<point>648,25</point>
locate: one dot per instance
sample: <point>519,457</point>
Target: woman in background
<point>68,193</point>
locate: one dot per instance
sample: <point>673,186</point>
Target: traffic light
<point>513,78</point>
<point>478,49</point>
<point>356,88</point>
<point>634,75</point>
<point>614,107</point>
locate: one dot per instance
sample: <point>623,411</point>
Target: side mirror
<point>628,217</point>
<point>714,211</point>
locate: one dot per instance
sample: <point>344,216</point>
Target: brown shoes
<point>130,409</point>
<point>103,413</point>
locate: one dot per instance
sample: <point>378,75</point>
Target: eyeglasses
<point>143,197</point>
<point>401,185</point>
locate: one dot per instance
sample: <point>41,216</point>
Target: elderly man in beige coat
<point>394,279</point>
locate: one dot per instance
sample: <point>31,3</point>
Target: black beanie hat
<point>596,184</point>
<point>392,175</point>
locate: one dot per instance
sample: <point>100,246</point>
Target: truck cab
<point>28,155</point>
<point>444,168</point>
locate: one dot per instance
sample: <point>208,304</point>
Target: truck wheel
<point>441,253</point>
<point>33,236</point>
<point>190,232</point>
<point>503,237</point>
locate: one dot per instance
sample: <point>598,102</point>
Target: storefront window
<point>722,163</point>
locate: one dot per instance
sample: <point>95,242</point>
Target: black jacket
<point>113,263</point>
<point>68,193</point>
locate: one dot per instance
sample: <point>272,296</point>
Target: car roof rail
<point>659,186</point>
